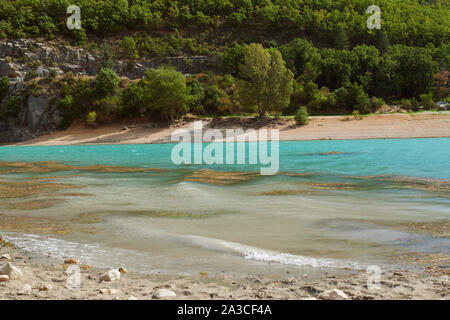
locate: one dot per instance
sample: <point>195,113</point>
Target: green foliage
<point>164,93</point>
<point>66,102</point>
<point>406,72</point>
<point>356,115</point>
<point>301,116</point>
<point>406,104</point>
<point>91,118</point>
<point>196,96</point>
<point>232,59</point>
<point>340,65</point>
<point>404,21</point>
<point>107,82</point>
<point>106,56</point>
<point>375,103</point>
<point>129,48</point>
<point>268,83</point>
<point>132,100</point>
<point>341,41</point>
<point>335,68</point>
<point>32,74</point>
<point>302,58</point>
<point>426,101</point>
<point>351,97</point>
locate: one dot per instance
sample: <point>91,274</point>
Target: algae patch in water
<point>332,185</point>
<point>39,225</point>
<point>167,214</point>
<point>95,217</point>
<point>89,218</point>
<point>55,166</point>
<point>28,188</point>
<point>441,186</point>
<point>32,225</point>
<point>35,204</point>
<point>220,178</point>
<point>171,214</point>
<point>76,194</point>
<point>285,192</point>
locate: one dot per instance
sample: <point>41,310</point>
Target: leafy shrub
<point>91,118</point>
<point>106,56</point>
<point>406,104</point>
<point>53,73</point>
<point>376,103</point>
<point>356,115</point>
<point>196,96</point>
<point>301,116</point>
<point>132,100</point>
<point>32,74</point>
<point>232,58</point>
<point>165,94</point>
<point>107,82</point>
<point>427,102</point>
<point>129,48</point>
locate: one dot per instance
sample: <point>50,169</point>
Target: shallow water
<point>334,204</point>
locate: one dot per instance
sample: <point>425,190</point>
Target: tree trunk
<point>261,111</point>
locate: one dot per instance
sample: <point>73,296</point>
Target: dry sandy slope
<point>383,126</point>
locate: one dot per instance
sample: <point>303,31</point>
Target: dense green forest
<point>338,65</point>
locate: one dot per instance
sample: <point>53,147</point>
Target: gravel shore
<point>56,281</point>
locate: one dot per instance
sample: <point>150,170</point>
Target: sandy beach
<point>49,281</point>
<point>383,126</point>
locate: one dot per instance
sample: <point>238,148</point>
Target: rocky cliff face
<point>17,57</point>
<point>38,114</point>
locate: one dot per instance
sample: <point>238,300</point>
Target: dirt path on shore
<point>383,126</point>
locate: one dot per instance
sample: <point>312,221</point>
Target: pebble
<point>11,271</point>
<point>71,261</point>
<point>110,275</point>
<point>123,270</point>
<point>45,287</point>
<point>334,294</point>
<point>163,293</point>
<point>4,278</point>
<point>133,298</point>
<point>25,291</point>
<point>6,257</point>
<point>108,291</point>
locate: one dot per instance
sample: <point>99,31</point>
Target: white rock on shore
<point>110,275</point>
<point>6,257</point>
<point>334,294</point>
<point>4,278</point>
<point>11,271</point>
<point>25,290</point>
<point>163,293</point>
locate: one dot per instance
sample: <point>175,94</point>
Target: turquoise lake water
<point>334,204</point>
